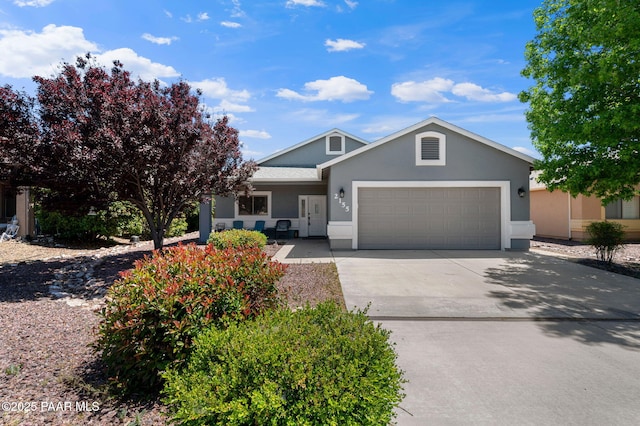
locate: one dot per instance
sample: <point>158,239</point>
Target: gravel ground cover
<point>626,261</point>
<point>49,374</point>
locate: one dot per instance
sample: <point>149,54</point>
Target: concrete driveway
<point>482,284</point>
<point>503,338</point>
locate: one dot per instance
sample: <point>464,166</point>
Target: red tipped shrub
<point>154,311</point>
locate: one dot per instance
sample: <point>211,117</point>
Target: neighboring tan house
<point>19,204</point>
<point>430,186</point>
<point>559,215</point>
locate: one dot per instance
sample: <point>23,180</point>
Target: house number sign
<point>341,203</point>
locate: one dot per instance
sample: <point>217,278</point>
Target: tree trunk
<point>158,237</point>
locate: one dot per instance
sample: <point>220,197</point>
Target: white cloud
<point>159,40</point>
<point>294,3</point>
<point>433,91</point>
<point>342,45</point>
<point>321,116</point>
<point>237,11</point>
<point>202,16</point>
<point>28,53</point>
<point>139,66</point>
<point>338,88</point>
<point>425,91</point>
<point>249,153</point>
<point>230,24</point>
<point>169,14</point>
<point>226,106</point>
<point>352,4</point>
<point>256,134</point>
<point>473,92</point>
<point>324,117</point>
<point>33,3</point>
<point>217,89</point>
<point>382,125</point>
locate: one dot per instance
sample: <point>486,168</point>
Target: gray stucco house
<point>430,186</point>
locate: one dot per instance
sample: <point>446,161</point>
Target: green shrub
<point>607,238</point>
<point>237,238</point>
<point>155,310</point>
<point>177,228</point>
<point>129,219</point>
<point>77,228</point>
<point>314,366</point>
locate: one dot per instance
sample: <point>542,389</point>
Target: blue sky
<point>287,70</point>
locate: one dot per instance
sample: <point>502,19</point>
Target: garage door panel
<point>429,218</point>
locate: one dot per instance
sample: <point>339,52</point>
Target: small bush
<point>237,238</point>
<point>128,217</point>
<point>607,238</point>
<point>77,228</point>
<point>315,366</point>
<point>177,228</point>
<point>155,310</point>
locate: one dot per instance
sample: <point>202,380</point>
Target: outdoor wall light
<point>341,193</point>
<point>521,192</point>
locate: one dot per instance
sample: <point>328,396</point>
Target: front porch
<point>305,206</point>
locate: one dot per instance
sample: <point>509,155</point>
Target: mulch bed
<point>49,373</point>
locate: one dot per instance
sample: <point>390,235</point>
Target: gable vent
<point>335,144</point>
<point>430,149</point>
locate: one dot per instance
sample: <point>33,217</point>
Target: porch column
<point>24,212</point>
<point>205,220</point>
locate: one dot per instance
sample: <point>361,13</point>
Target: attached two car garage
<point>429,218</point>
<point>433,186</point>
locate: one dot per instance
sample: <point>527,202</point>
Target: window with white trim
<point>335,144</point>
<point>253,205</point>
<point>430,149</point>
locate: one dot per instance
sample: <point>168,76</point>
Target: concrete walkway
<point>303,250</point>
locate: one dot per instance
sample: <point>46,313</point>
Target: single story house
<point>559,215</point>
<point>430,186</point>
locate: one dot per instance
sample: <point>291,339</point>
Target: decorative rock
<point>77,278</point>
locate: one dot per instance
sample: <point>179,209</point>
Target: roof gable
<point>318,139</point>
<point>417,126</point>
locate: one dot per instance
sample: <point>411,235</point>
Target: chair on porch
<point>238,224</point>
<point>220,226</point>
<point>283,225</point>
<point>11,230</point>
<point>259,226</point>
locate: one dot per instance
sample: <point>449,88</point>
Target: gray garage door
<point>429,218</point>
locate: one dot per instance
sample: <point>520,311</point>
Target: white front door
<point>312,211</point>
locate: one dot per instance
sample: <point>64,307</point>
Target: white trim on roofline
<point>430,120</point>
<point>313,139</point>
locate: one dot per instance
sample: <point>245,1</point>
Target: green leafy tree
<point>584,108</point>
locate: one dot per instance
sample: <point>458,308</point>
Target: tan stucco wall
<point>24,211</point>
<point>586,208</point>
<point>550,213</point>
